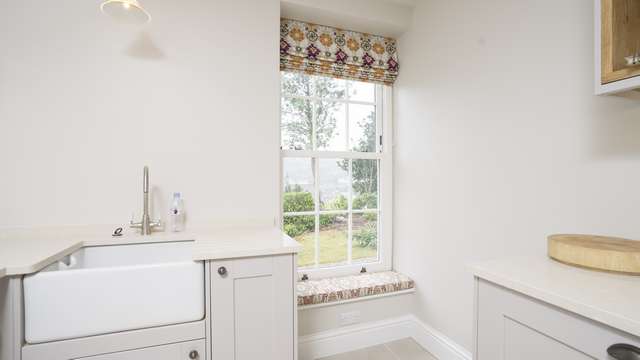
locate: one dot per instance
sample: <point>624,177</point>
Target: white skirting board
<point>350,338</point>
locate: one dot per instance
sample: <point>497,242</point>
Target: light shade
<point>126,11</point>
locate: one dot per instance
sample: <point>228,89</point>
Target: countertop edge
<point>199,251</point>
<point>26,270</point>
<point>593,313</point>
<point>231,254</point>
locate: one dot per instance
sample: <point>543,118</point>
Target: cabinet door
<point>179,351</point>
<point>513,326</point>
<point>252,308</point>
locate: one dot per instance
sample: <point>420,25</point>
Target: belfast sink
<point>106,289</point>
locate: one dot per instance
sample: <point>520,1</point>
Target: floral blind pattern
<point>323,50</point>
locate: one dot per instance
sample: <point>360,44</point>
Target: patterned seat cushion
<point>312,292</point>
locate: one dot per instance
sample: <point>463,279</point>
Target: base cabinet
<point>251,314</point>
<point>253,309</point>
<point>513,326</point>
<point>180,351</point>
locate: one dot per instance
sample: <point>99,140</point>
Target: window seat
<point>329,291</point>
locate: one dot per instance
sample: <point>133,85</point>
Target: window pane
<point>365,184</point>
<point>331,126</point>
<point>327,87</point>
<point>362,127</point>
<point>365,237</point>
<point>334,184</point>
<point>362,91</point>
<point>296,124</point>
<point>298,185</point>
<point>333,238</point>
<point>296,84</point>
<point>302,228</point>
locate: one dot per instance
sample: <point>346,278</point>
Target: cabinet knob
<point>193,354</point>
<point>624,352</point>
<point>222,271</point>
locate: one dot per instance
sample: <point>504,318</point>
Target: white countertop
<point>611,299</point>
<point>25,251</point>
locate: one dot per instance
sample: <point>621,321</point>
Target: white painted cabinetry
<point>186,350</point>
<point>513,326</point>
<point>253,309</point>
<point>249,302</point>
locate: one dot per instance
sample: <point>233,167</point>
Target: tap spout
<point>145,180</point>
<point>146,226</point>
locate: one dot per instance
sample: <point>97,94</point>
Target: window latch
<point>305,277</point>
<point>363,270</point>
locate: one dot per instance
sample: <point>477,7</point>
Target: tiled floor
<point>405,349</point>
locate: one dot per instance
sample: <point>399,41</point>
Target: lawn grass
<point>333,248</point>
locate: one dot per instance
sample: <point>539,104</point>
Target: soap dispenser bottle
<point>176,213</point>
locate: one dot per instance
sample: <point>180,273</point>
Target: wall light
<point>126,11</point>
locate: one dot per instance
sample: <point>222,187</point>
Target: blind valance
<point>328,51</point>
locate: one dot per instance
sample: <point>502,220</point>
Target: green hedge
<point>365,201</point>
<point>367,236</point>
<point>299,201</point>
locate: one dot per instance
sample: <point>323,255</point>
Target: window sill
<point>341,290</point>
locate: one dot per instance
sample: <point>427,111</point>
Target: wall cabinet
<point>513,326</point>
<point>253,309</point>
<point>617,45</point>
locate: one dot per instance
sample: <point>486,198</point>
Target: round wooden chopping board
<point>596,252</point>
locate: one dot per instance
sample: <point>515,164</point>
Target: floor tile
<point>379,352</point>
<point>408,349</point>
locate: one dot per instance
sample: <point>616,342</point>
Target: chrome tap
<point>146,226</point>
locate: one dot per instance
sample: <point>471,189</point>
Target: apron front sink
<point>106,289</point>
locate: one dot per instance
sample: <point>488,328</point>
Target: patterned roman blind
<point>324,50</point>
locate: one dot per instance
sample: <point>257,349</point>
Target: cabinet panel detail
<point>179,351</point>
<point>510,325</point>
<point>252,308</point>
<point>523,343</point>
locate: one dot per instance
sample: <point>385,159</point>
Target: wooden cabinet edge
<point>608,81</point>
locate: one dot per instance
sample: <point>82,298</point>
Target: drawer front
<point>179,351</point>
<point>514,326</point>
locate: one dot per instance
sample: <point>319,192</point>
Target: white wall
<point>315,320</point>
<point>500,142</point>
<point>85,103</point>
<point>380,17</point>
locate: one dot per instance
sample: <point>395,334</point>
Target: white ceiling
<point>381,17</point>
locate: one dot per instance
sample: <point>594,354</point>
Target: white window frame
<point>384,154</point>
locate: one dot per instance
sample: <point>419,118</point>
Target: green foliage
<point>327,219</point>
<point>370,216</point>
<point>338,203</point>
<point>297,202</point>
<point>367,236</point>
<point>365,176</point>
<point>300,131</point>
<point>366,201</point>
<point>298,225</point>
<point>364,171</point>
<point>293,188</point>
<point>368,142</point>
